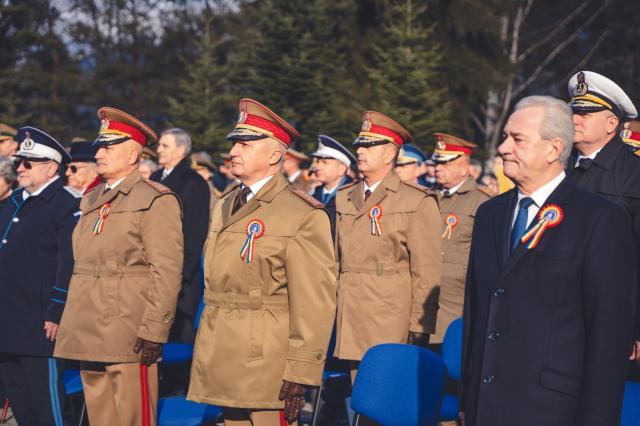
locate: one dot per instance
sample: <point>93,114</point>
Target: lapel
<point>266,194</point>
<point>97,198</point>
<point>560,196</point>
<point>391,182</point>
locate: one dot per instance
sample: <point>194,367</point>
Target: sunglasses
<point>74,169</point>
<point>28,164</point>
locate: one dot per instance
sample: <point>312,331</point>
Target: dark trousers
<point>34,388</point>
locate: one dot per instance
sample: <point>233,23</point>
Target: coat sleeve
<point>195,224</point>
<point>161,229</point>
<point>311,278</point>
<point>425,258</point>
<point>609,280</point>
<point>66,218</point>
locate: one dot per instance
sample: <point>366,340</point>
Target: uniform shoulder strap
<point>158,186</point>
<point>308,198</point>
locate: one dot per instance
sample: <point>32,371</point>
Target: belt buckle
<point>229,301</point>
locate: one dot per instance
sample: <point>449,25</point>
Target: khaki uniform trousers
<point>115,395</point>
<point>248,417</point>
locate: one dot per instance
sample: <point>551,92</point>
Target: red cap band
<point>635,136</point>
<point>386,132</point>
<point>457,148</point>
<point>271,127</point>
<point>133,132</point>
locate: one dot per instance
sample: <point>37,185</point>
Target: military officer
<point>269,284</point>
<point>128,250</point>
<point>8,142</point>
<point>333,161</point>
<point>388,248</point>
<point>601,162</point>
<point>36,263</point>
<point>410,165</point>
<point>293,170</point>
<point>81,172</point>
<point>458,199</point>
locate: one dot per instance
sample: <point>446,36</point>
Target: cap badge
<point>104,125</point>
<point>440,145</point>
<point>451,221</point>
<point>242,117</point>
<point>626,132</point>
<point>582,87</point>
<point>549,217</point>
<point>255,229</point>
<point>366,124</point>
<point>375,214</point>
<point>27,143</point>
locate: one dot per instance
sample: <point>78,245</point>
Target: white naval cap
<point>331,148</point>
<point>590,92</point>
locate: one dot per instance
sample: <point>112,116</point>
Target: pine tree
<point>405,73</point>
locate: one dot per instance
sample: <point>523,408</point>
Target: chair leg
<point>316,404</point>
<point>82,412</point>
<point>356,419</point>
<point>5,409</point>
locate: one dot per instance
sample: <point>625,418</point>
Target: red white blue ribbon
<point>255,230</point>
<point>549,217</point>
<point>375,214</point>
<point>103,213</point>
<point>451,221</point>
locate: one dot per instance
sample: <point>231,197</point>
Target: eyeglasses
<point>74,169</point>
<point>28,164</point>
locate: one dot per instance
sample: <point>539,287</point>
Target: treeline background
<point>454,66</point>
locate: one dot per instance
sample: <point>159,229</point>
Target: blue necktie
<point>325,197</point>
<point>520,225</point>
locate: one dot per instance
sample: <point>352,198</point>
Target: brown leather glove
<point>151,351</point>
<point>293,396</point>
<point>419,339</point>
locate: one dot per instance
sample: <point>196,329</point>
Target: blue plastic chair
<point>451,352</point>
<point>177,411</point>
<point>399,385</point>
<point>72,383</point>
<point>174,353</point>
<point>631,405</point>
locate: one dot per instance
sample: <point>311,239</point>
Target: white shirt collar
<point>26,194</point>
<point>294,176</point>
<point>116,183</point>
<point>371,188</point>
<point>257,186</point>
<point>455,188</point>
<point>539,197</point>
<point>590,156</point>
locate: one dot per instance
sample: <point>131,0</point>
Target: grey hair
<point>152,164</point>
<point>6,170</point>
<point>556,123</point>
<point>182,138</point>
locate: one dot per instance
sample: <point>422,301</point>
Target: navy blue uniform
<point>36,261</point>
<point>329,202</point>
<point>548,330</point>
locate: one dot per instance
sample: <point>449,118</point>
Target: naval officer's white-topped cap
<point>591,92</point>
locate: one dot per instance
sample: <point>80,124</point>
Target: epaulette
<point>484,190</point>
<point>71,190</point>
<point>637,152</point>
<point>308,198</point>
<point>347,185</point>
<point>157,186</point>
<point>419,187</point>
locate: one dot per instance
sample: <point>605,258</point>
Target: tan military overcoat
<point>461,205</point>
<point>269,319</point>
<point>387,284</point>
<point>126,279</point>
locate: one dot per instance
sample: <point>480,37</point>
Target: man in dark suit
<point>176,173</point>
<point>36,261</point>
<point>333,162</point>
<point>548,304</point>
<point>600,161</point>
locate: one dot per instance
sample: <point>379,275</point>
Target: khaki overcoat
<point>269,319</point>
<point>462,205</point>
<point>387,284</point>
<point>126,279</point>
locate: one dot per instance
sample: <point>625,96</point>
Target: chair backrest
<point>631,405</point>
<point>451,349</point>
<point>399,385</point>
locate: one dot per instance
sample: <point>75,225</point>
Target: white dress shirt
<point>116,183</point>
<point>257,186</point>
<point>539,197</point>
<point>590,156</point>
<point>453,190</point>
<point>371,188</point>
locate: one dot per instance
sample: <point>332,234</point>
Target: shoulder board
<point>229,189</point>
<point>347,185</point>
<point>157,186</point>
<point>71,190</point>
<point>484,190</point>
<point>419,187</point>
<point>637,152</point>
<point>308,198</point>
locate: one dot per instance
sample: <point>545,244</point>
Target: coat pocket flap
<point>560,382</point>
<point>157,316</point>
<point>314,357</point>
